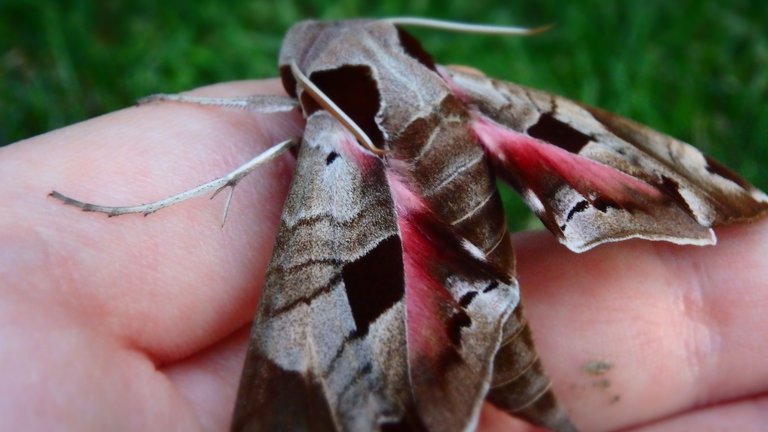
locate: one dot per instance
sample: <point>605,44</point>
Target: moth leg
<point>256,103</point>
<point>228,181</point>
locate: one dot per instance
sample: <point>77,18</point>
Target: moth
<point>390,302</point>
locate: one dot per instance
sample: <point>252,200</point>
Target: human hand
<point>135,323</point>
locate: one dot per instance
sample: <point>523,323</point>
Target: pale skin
<point>134,323</point>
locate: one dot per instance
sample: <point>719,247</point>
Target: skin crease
<point>136,323</point>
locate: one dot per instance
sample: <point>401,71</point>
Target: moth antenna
<point>466,27</point>
<point>257,103</point>
<point>325,102</point>
<point>229,180</point>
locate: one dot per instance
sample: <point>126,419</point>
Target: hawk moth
<point>391,302</point>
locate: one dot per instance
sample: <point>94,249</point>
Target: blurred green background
<point>696,69</point>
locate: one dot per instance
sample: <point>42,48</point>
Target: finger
<point>744,416</point>
<point>169,283</point>
<point>636,331</point>
<point>208,380</point>
<point>59,375</point>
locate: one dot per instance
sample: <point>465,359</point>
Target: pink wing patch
<point>534,163</point>
<point>582,201</point>
<point>429,305</point>
<point>451,338</point>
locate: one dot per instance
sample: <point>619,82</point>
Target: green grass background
<point>696,69</point>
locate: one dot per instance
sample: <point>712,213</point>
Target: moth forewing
<point>321,356</point>
<point>593,177</point>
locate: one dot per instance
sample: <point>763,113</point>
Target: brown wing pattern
<point>327,347</point>
<point>594,177</point>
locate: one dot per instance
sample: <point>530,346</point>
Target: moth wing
<point>456,308</point>
<point>328,343</point>
<point>372,317</point>
<point>593,177</point>
<point>460,289</point>
<point>729,198</point>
